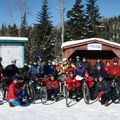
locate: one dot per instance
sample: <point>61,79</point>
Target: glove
<point>101,93</point>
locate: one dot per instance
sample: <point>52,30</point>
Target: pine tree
<point>43,30</point>
<point>24,26</point>
<point>92,18</point>
<point>3,31</point>
<point>12,30</point>
<point>76,23</point>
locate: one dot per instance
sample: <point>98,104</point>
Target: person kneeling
<point>73,86</point>
<point>103,89</point>
<point>52,88</point>
<point>15,93</point>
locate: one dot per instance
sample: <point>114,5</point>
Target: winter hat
<point>115,59</point>
<point>18,77</point>
<point>64,59</point>
<point>86,72</point>
<point>77,57</point>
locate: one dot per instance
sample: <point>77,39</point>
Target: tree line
<point>83,21</point>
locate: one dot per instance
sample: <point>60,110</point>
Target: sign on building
<point>94,46</point>
<point>12,48</point>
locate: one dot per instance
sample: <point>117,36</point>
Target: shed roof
<point>76,42</point>
<point>20,39</point>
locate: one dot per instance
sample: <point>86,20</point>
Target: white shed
<point>12,48</point>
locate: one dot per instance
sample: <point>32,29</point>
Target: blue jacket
<point>33,70</point>
<point>80,71</point>
<point>50,69</point>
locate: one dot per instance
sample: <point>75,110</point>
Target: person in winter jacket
<point>69,68</point>
<point>11,69</point>
<point>90,82</point>
<point>103,90</point>
<point>50,68</point>
<point>87,65</point>
<point>64,64</point>
<point>59,68</point>
<point>52,87</point>
<point>1,69</point>
<point>99,62</point>
<point>41,66</point>
<point>114,69</point>
<point>33,70</point>
<point>99,71</point>
<point>80,69</point>
<point>114,72</point>
<point>73,85</point>
<point>78,61</point>
<point>14,91</point>
<point>25,68</point>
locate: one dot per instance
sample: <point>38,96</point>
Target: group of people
<point>98,78</point>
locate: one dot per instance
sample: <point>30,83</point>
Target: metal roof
<point>76,42</point>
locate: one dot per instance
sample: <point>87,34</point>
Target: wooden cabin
<point>92,49</point>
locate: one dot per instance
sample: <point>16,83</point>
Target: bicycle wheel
<point>31,94</point>
<point>1,96</point>
<point>44,95</point>
<point>86,93</point>
<point>66,95</point>
<point>117,92</point>
<point>38,92</point>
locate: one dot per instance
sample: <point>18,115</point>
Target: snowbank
<point>59,111</point>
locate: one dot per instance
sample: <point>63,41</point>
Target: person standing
<point>1,69</point>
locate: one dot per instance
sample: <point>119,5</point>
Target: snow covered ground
<point>59,111</point>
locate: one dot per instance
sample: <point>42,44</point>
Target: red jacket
<point>68,69</point>
<point>89,81</point>
<point>113,70</point>
<point>52,84</point>
<point>72,83</point>
<point>13,91</point>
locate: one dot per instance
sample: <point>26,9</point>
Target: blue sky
<point>9,12</point>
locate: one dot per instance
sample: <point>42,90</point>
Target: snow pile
<point>59,111</point>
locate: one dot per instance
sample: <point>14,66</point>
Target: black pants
<point>74,91</point>
<point>53,92</point>
<point>105,98</point>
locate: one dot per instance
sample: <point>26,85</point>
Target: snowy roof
<point>14,38</point>
<point>75,42</point>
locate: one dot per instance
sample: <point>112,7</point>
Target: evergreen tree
<point>12,30</point>
<point>24,26</point>
<point>76,23</point>
<point>43,32</point>
<point>3,31</point>
<point>92,18</point>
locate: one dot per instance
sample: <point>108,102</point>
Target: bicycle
<point>41,91</point>
<point>115,90</point>
<point>84,91</point>
<point>1,94</point>
<point>29,90</point>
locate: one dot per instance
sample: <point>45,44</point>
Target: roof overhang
<point>75,43</point>
<point>13,39</point>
